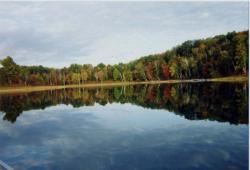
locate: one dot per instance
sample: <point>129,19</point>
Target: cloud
<point>60,33</point>
<point>63,137</point>
<point>205,14</point>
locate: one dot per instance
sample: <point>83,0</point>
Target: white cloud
<point>205,14</point>
<point>60,33</point>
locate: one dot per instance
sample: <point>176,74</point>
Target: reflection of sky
<point>119,136</point>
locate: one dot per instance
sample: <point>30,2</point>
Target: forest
<point>194,101</point>
<point>219,56</point>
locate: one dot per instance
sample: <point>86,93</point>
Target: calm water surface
<point>183,126</point>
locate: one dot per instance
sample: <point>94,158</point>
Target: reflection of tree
<point>13,108</point>
<point>221,102</point>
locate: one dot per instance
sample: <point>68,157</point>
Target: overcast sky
<point>58,34</point>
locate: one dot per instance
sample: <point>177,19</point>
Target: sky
<point>57,34</point>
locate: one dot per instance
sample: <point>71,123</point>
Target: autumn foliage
<point>222,55</point>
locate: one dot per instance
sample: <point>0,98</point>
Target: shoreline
<point>26,89</point>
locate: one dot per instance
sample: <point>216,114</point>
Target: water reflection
<point>119,133</point>
<point>120,136</point>
<point>223,102</point>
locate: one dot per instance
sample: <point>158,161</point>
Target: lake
<point>197,126</point>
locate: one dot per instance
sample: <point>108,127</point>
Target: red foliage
<point>167,92</point>
<point>166,71</point>
<point>151,95</point>
<point>150,71</point>
<point>33,79</point>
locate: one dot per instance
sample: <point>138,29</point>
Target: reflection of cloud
<point>205,14</point>
<point>62,137</point>
<point>60,33</point>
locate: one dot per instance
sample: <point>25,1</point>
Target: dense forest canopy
<point>222,55</point>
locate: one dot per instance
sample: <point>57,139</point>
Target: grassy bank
<point>110,84</point>
<point>229,79</point>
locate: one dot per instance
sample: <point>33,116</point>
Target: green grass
<point>230,79</point>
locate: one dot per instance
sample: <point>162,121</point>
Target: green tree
<point>140,71</point>
<point>24,74</point>
<point>116,74</point>
<point>76,78</point>
<point>174,72</point>
<point>241,54</point>
<point>10,69</point>
<point>84,75</point>
<point>128,76</point>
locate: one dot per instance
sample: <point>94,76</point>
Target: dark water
<point>183,126</point>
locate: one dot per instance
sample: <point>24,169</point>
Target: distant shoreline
<point>26,89</point>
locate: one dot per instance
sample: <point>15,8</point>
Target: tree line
<point>222,55</point>
<point>224,102</point>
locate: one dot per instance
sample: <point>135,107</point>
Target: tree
<point>3,77</point>
<point>101,65</point>
<point>140,71</point>
<point>225,64</point>
<point>10,69</point>
<point>207,69</point>
<point>84,75</point>
<point>166,71</point>
<point>89,69</point>
<point>150,71</point>
<point>75,78</point>
<point>24,74</point>
<point>241,54</point>
<point>156,69</point>
<point>193,67</point>
<point>128,76</point>
<point>75,68</point>
<point>184,64</point>
<point>174,72</point>
<point>110,72</point>
<point>222,55</point>
<point>100,75</point>
<point>116,74</point>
